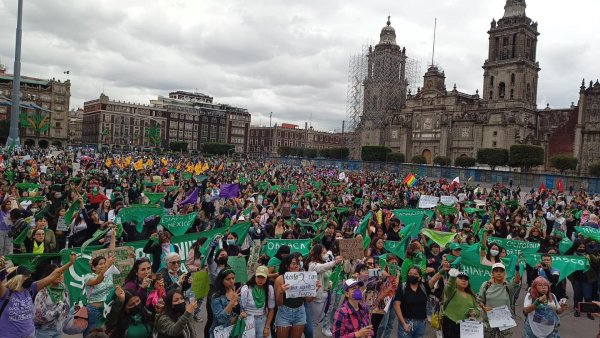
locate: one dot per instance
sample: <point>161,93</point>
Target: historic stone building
<point>587,134</point>
<point>436,121</point>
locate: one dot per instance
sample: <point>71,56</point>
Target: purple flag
<point>230,190</point>
<point>191,199</point>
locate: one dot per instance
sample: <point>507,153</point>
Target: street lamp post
<point>13,136</point>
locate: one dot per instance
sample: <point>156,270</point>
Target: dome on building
<point>388,34</point>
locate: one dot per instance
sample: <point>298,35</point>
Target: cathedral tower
<point>511,70</point>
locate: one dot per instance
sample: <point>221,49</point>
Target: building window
<point>492,81</point>
<point>512,79</point>
<point>512,93</point>
<point>495,133</point>
<point>494,144</point>
<point>501,90</point>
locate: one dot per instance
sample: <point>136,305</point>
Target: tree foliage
<point>374,153</point>
<point>178,146</point>
<point>564,162</point>
<point>395,158</point>
<point>442,160</point>
<point>465,161</point>
<point>493,157</point>
<point>419,159</point>
<point>215,148</point>
<point>525,156</point>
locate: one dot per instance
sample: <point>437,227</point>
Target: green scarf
<point>259,296</point>
<point>57,294</point>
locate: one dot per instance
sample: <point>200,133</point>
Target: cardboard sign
<point>427,202</point>
<point>471,329</point>
<point>253,259</point>
<point>351,248</point>
<point>301,284</point>
<point>124,259</point>
<point>448,200</point>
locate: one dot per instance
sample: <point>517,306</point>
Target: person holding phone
<point>176,319</point>
<point>172,275</point>
<point>542,309</point>
<point>225,301</point>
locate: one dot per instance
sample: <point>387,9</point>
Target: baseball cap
<point>241,218</point>
<point>352,282</point>
<point>463,274</point>
<point>455,246</point>
<point>262,271</point>
<point>498,265</point>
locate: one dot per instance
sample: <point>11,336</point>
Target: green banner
<point>178,225</point>
<point>479,273</point>
<point>138,212</point>
<point>515,247</point>
<point>316,225</point>
<point>589,232</point>
<point>399,248</point>
<point>440,237</point>
<point>565,264</point>
<point>296,245</point>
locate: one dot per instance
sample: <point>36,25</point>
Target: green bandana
<point>57,293</point>
<point>259,296</point>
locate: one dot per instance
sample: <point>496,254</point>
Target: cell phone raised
<point>586,307</point>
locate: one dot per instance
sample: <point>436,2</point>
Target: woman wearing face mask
<point>127,317</point>
<point>16,292</point>
<point>275,261</point>
<point>160,249</point>
<point>489,254</point>
<point>215,266</point>
<point>257,299</point>
<point>51,307</point>
<point>231,245</point>
<point>176,319</point>
<point>225,301</point>
<point>582,281</point>
<point>316,260</point>
<point>410,302</point>
<point>352,318</point>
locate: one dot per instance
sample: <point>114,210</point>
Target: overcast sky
<point>289,57</point>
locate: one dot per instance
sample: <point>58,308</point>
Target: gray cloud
<point>286,57</point>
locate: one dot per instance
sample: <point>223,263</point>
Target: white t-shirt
<point>543,320</point>
<point>247,302</point>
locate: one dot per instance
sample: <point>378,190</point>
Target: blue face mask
<point>230,242</point>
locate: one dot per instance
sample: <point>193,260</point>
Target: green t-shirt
<point>456,307</point>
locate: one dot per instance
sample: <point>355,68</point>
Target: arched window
<point>501,90</point>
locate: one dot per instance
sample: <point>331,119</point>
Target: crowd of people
<point>53,205</point>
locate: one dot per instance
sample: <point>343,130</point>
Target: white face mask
<point>494,253</point>
<point>325,257</point>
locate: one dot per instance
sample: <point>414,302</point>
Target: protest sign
<point>301,284</point>
<point>178,224</point>
<point>124,259</point>
<point>296,245</point>
<point>238,265</point>
<point>516,247</point>
<point>379,292</point>
<point>428,202</point>
<point>225,332</point>
<point>501,317</point>
<point>253,258</point>
<point>351,248</point>
<point>200,284</point>
<point>448,200</point>
<point>471,329</point>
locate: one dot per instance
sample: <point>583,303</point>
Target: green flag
<point>28,186</point>
<point>441,238</point>
<point>33,199</point>
<point>138,212</point>
<point>154,197</point>
<point>478,211</point>
<point>565,264</point>
<point>178,225</point>
<point>296,245</point>
<point>19,240</point>
<point>74,207</point>
<point>31,261</point>
<point>314,225</point>
<point>97,235</point>
<point>362,230</point>
<point>447,210</point>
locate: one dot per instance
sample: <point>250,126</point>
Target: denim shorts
<point>287,316</point>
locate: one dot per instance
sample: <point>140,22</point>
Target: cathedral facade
<point>437,121</point>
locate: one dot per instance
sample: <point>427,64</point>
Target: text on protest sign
<point>124,259</point>
<point>301,284</point>
<point>351,248</point>
<point>427,202</point>
<point>225,332</point>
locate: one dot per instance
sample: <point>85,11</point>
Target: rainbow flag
<point>410,180</point>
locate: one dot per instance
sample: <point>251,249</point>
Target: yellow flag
<point>127,161</point>
<point>221,167</point>
<point>205,167</point>
<point>139,165</point>
<point>149,162</point>
<point>189,168</point>
<point>198,168</point>
<point>164,161</point>
<point>178,166</point>
<point>108,163</point>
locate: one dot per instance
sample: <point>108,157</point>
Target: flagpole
<point>13,135</point>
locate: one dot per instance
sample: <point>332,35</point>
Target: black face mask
<point>136,310</point>
<point>179,309</point>
<point>412,279</point>
<point>27,284</point>
<point>222,260</point>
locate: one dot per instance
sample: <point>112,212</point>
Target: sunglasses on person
<point>175,263</point>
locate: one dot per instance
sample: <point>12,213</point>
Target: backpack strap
<point>5,302</point>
